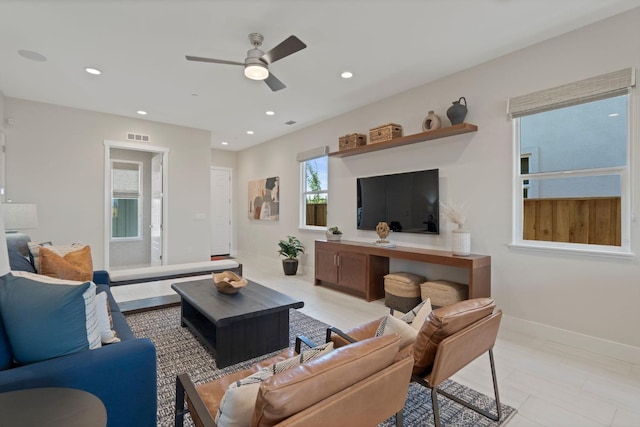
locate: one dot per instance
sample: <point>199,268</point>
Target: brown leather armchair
<point>450,338</point>
<point>360,384</point>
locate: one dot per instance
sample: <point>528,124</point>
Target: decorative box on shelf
<point>352,140</point>
<point>385,133</point>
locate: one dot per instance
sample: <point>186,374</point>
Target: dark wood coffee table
<point>253,322</point>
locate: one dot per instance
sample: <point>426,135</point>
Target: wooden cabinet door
<point>352,271</point>
<point>326,265</point>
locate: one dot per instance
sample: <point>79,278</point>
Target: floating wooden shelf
<point>409,139</point>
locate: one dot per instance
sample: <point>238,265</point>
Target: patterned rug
<point>178,351</point>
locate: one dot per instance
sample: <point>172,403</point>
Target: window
<point>315,192</point>
<point>572,169</point>
<point>126,199</point>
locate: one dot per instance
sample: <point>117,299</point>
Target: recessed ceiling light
<point>224,143</point>
<point>614,115</point>
<point>346,75</point>
<point>269,113</point>
<point>93,71</point>
<point>34,56</point>
<point>141,112</point>
<point>250,132</point>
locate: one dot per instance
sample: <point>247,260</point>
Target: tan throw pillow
<point>75,265</point>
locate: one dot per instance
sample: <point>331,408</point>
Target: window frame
<point>304,193</point>
<point>139,198</point>
<point>624,171</point>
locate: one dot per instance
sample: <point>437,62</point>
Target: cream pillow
<point>34,249</point>
<point>107,334</point>
<point>236,406</point>
<point>391,325</point>
<point>421,315</point>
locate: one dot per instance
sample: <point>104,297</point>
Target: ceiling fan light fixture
<point>256,71</point>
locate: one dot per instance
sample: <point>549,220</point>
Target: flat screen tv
<point>408,202</point>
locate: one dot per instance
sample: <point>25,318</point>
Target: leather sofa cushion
<point>442,323</point>
<point>296,389</point>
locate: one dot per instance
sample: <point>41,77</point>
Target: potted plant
<point>334,233</point>
<point>290,248</point>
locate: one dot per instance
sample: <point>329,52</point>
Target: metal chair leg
<point>495,385</point>
<point>434,404</point>
<point>399,418</point>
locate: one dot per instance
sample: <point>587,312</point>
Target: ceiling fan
<point>256,64</point>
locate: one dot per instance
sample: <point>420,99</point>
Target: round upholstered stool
<point>402,290</point>
<point>443,292</point>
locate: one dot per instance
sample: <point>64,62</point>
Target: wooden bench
<point>174,271</point>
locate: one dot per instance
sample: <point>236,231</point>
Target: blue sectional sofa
<point>122,375</point>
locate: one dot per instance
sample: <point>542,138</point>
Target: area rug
<point>178,351</point>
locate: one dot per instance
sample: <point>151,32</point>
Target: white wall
<point>594,296</point>
<point>55,158</point>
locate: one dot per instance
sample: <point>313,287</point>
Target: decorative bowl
<point>229,282</point>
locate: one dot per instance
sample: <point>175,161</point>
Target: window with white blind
<point>314,173</point>
<point>571,163</point>
<point>126,199</point>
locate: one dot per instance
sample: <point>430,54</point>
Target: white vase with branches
<point>460,238</point>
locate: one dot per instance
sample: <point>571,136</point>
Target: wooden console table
<point>359,268</point>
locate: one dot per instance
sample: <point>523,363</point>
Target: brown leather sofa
<point>450,338</point>
<point>360,384</point>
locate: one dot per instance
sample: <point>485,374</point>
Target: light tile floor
<point>549,383</point>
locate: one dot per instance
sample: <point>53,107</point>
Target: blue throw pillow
<point>41,320</point>
<point>19,262</point>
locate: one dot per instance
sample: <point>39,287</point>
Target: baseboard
<point>596,345</point>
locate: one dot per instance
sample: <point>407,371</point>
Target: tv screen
<point>408,202</point>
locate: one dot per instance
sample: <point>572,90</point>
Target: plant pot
<point>290,267</point>
<point>333,237</point>
<point>460,242</point>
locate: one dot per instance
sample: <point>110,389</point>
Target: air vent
<point>290,122</point>
<point>138,137</point>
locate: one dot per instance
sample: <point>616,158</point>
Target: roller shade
<point>312,154</point>
<point>125,180</point>
<point>592,89</point>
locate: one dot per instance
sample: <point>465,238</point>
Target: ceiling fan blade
<point>216,61</point>
<point>273,82</point>
<point>290,46</point>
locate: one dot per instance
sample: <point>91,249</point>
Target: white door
<point>156,209</point>
<point>220,211</point>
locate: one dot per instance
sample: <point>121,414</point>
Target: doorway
<point>135,201</point>
<point>221,203</point>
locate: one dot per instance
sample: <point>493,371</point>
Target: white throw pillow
<point>93,331</point>
<point>422,314</point>
<point>238,402</point>
<point>391,325</point>
<point>107,334</point>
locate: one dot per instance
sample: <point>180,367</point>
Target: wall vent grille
<point>138,137</point>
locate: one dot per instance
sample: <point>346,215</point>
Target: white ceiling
<point>390,46</point>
